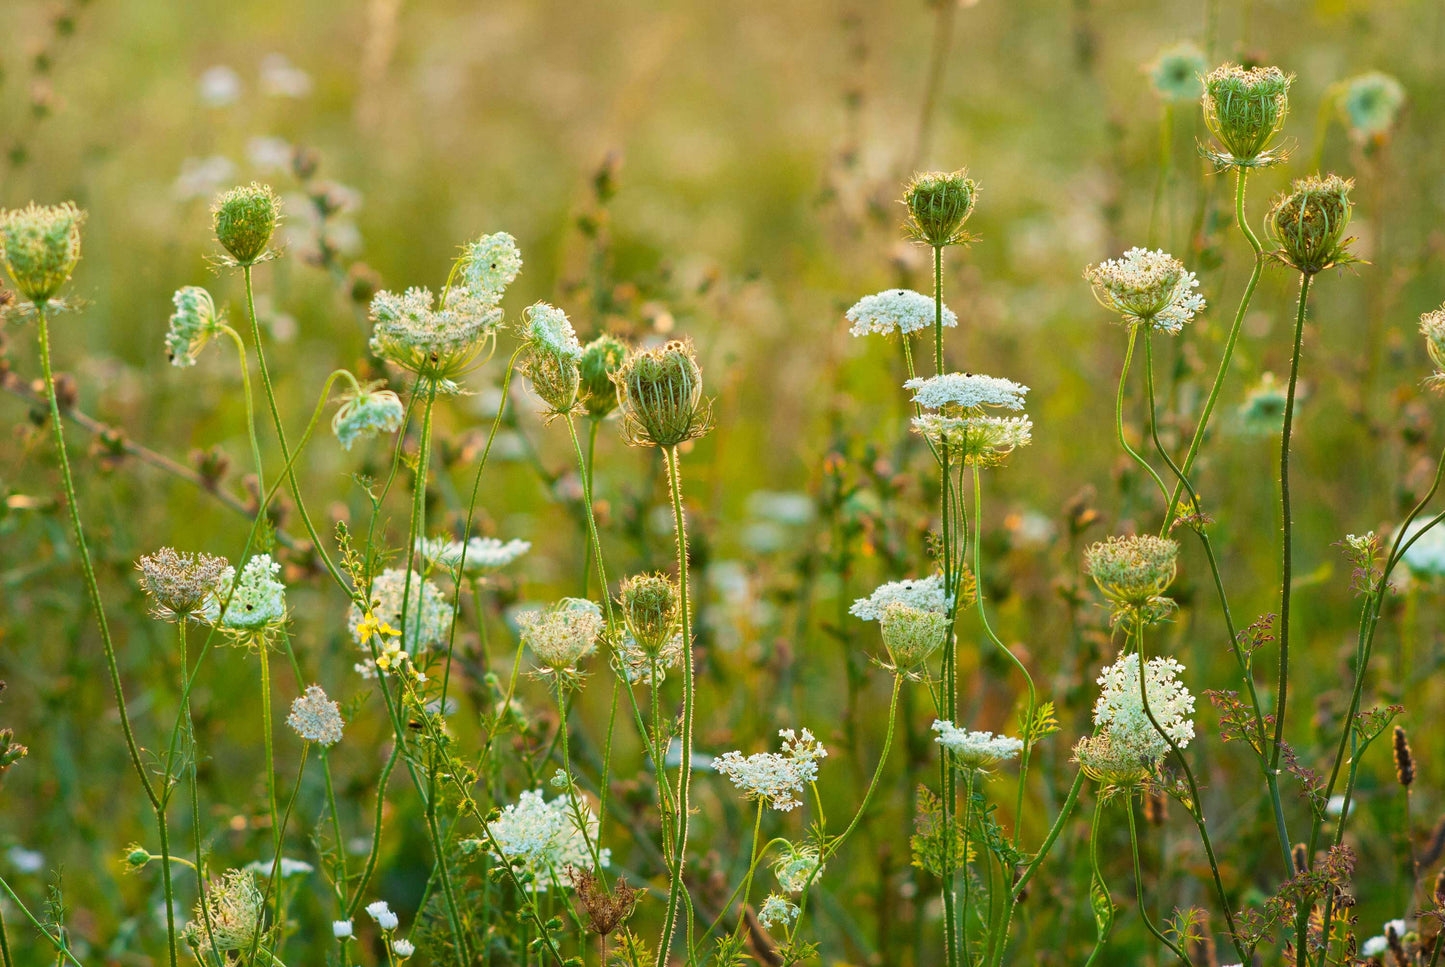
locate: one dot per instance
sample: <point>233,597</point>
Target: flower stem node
<point>245,219</point>
<point>40,246</point>
<point>1308,224</point>
<point>939,204</point>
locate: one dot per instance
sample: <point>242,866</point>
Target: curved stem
<point>1229,343</point>
<point>250,407</point>
<point>1119,411</point>
<point>752,866</point>
<point>1139,890</point>
<point>1102,930</point>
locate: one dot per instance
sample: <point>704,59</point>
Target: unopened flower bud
<point>1132,571</point>
<point>911,634</point>
<point>40,246</point>
<point>1245,109</point>
<point>660,396</point>
<point>938,204</point>
<point>601,358</point>
<point>1308,224</point>
<point>245,219</point>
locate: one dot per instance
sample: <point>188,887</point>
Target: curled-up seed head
<point>910,634</point>
<point>1244,110</point>
<point>659,394</point>
<point>601,358</point>
<point>939,203</point>
<point>650,610</point>
<point>1132,571</point>
<point>1308,224</point>
<point>40,246</point>
<point>184,585</point>
<point>244,219</point>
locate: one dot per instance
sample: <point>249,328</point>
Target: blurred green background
<point>729,172</point>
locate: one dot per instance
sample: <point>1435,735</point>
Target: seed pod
<point>650,610</point>
<point>1404,760</point>
<point>245,219</point>
<point>1308,224</point>
<point>40,246</point>
<point>660,396</point>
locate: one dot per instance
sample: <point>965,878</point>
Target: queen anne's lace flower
<point>315,717</point>
<point>796,867</point>
<point>194,323</point>
<point>636,665</point>
<point>966,391</point>
<point>775,777</point>
<point>1147,287</point>
<point>435,342</point>
<point>548,328</point>
<point>777,911</point>
<point>983,440</point>
<point>234,905</point>
<point>258,600</point>
<point>1119,710</point>
<point>490,264</point>
<point>896,310</point>
<point>976,750</point>
<point>478,556</point>
<point>563,634</point>
<point>428,617</point>
<point>545,839</point>
<point>366,413</point>
<point>185,585</point>
<point>925,594</point>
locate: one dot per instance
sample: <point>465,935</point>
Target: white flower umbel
<point>380,911</point>
<point>776,778</point>
<point>548,327</point>
<point>636,665</point>
<point>985,441</point>
<point>316,718</point>
<point>1120,708</point>
<point>976,750</point>
<point>777,911</point>
<point>545,838</point>
<point>438,343</point>
<point>490,264</point>
<point>563,634</point>
<point>966,391</point>
<point>478,556</point>
<point>1425,557</point>
<point>428,617</point>
<point>896,310</point>
<point>1146,286</point>
<point>258,600</point>
<point>925,594</point>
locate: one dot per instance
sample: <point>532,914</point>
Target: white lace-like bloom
<point>1119,709</point>
<point>982,440</point>
<point>563,634</point>
<point>1376,946</point>
<point>483,555</point>
<point>287,869</point>
<point>896,310</point>
<point>490,264</point>
<point>403,948</point>
<point>775,777</point>
<point>428,617</point>
<point>1425,557</point>
<point>925,594</point>
<point>976,750</point>
<point>777,911</point>
<point>364,414</point>
<point>544,838</point>
<point>1146,286</point>
<point>795,868</point>
<point>966,391</point>
<point>234,905</point>
<point>316,718</point>
<point>380,911</point>
<point>259,600</point>
<point>342,929</point>
<point>548,328</point>
<point>435,342</point>
<point>636,665</point>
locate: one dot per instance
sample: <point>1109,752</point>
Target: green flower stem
<point>1271,776</point>
<point>1103,930</point>
<point>577,817</point>
<point>968,777</point>
<point>266,728</point>
<point>587,470</point>
<point>316,542</point>
<point>1195,806</point>
<point>166,885</point>
<point>375,850</point>
<point>1229,343</point>
<point>87,568</point>
<point>273,882</point>
<point>753,858</point>
<point>988,629</point>
<point>1139,889</point>
<point>4,946</point>
<point>676,887</point>
<point>1286,527</point>
<point>1119,411</point>
<point>695,944</point>
<point>62,951</point>
<point>339,875</point>
<point>250,410</point>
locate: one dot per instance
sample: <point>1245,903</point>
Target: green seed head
<point>1308,224</point>
<point>555,378</point>
<point>601,358</point>
<point>1432,327</point>
<point>660,396</point>
<point>938,204</point>
<point>1245,109</point>
<point>650,610</point>
<point>911,634</point>
<point>1132,571</point>
<point>245,219</point>
<point>40,246</point>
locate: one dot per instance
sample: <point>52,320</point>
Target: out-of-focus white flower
<point>219,86</point>
<point>281,78</point>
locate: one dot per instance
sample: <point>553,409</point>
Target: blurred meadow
<point>729,172</point>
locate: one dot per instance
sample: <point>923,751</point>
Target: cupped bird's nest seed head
<point>939,203</point>
<point>40,246</point>
<point>1308,223</point>
<point>233,906</point>
<point>1112,762</point>
<point>563,634</point>
<point>1146,287</point>
<point>184,585</point>
<point>650,609</point>
<point>601,358</point>
<point>1432,327</point>
<point>245,219</point>
<point>1245,109</point>
<point>660,397</point>
<point>912,635</point>
<point>1132,571</point>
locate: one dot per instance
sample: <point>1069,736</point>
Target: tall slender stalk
<point>1139,890</point>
